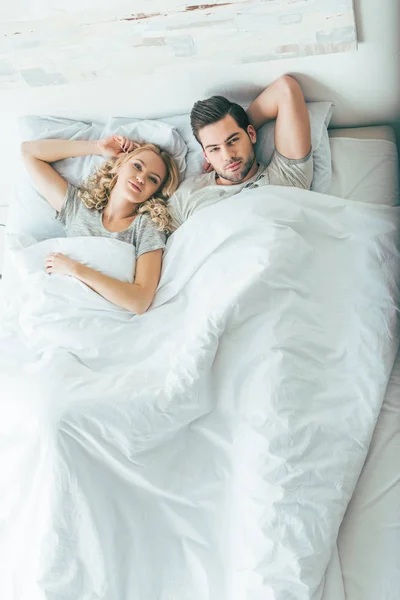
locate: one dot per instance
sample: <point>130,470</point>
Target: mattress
<point>365,168</point>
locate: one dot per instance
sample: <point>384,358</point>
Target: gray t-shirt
<point>199,191</point>
<point>78,220</point>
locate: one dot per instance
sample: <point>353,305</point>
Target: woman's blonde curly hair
<point>95,191</point>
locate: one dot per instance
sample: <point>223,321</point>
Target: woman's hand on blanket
<point>59,264</point>
<point>115,145</point>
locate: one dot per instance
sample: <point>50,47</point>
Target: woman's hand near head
<point>207,167</point>
<point>115,145</point>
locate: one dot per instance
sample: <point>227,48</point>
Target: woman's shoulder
<point>145,223</point>
<point>72,189</point>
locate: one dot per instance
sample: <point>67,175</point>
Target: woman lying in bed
<point>124,199</point>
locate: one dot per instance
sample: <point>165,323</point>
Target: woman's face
<point>141,176</point>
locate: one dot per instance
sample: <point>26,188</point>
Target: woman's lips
<point>134,186</point>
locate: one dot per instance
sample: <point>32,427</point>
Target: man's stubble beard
<point>244,171</point>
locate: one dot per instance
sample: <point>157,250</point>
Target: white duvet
<point>207,449</point>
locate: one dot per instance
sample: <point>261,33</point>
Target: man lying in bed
<point>227,135</point>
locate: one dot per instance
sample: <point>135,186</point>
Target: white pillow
<point>30,214</point>
<point>320,116</point>
<point>365,170</point>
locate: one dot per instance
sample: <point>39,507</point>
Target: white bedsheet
<point>207,449</point>
<point>369,540</point>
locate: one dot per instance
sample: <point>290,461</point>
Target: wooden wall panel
<point>99,39</point>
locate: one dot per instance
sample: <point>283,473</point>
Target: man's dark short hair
<point>212,110</point>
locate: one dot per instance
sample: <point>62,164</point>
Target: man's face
<point>229,149</point>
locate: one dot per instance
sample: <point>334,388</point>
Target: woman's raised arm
<point>38,154</point>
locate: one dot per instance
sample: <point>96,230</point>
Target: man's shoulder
<point>197,181</point>
<point>183,204</point>
<point>261,168</point>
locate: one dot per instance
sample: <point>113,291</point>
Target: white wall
<point>364,85</point>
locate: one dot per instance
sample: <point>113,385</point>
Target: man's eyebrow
<point>144,164</point>
<point>227,140</point>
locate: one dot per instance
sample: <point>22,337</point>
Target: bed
<point>365,563</point>
<point>369,539</point>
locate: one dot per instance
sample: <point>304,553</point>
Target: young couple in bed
<point>133,197</point>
